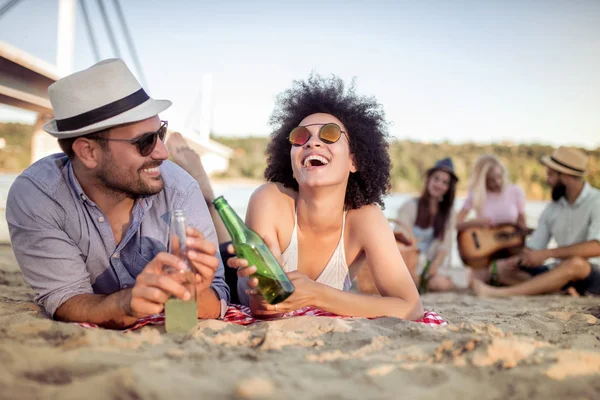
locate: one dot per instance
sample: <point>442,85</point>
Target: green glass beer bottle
<point>273,283</point>
<point>494,278</point>
<point>424,281</point>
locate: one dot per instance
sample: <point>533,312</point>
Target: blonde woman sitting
<point>495,201</point>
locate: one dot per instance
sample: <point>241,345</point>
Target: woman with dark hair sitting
<point>328,170</point>
<point>432,219</point>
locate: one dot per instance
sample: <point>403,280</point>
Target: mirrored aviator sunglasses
<point>329,133</point>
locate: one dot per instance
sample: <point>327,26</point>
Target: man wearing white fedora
<point>573,220</point>
<point>89,227</point>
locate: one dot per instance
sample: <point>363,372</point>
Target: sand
<point>544,347</point>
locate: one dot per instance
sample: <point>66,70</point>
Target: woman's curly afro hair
<point>366,127</point>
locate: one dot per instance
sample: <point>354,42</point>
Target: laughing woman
<point>328,169</point>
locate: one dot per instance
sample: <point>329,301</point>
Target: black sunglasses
<point>329,133</point>
<point>146,142</point>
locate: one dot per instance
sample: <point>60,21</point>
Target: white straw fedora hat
<point>567,160</point>
<point>102,96</point>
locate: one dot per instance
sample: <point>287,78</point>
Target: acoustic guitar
<point>479,246</point>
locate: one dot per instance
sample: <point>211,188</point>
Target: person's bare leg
<point>190,161</point>
<point>573,269</point>
<point>509,272</point>
<point>480,274</point>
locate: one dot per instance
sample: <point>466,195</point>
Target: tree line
<point>410,160</point>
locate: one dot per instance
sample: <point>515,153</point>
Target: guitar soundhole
<point>476,240</point>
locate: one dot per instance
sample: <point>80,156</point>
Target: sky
<point>461,71</point>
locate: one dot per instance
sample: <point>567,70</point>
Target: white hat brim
<point>147,109</point>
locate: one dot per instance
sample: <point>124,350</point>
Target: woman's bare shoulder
<point>367,217</point>
<point>273,193</point>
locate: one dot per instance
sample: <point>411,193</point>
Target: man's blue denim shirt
<point>65,246</point>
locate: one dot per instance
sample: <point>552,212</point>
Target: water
<point>5,182</point>
<point>238,195</point>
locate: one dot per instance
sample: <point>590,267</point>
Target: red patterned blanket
<point>241,315</point>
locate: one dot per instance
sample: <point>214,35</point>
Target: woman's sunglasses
<point>146,142</point>
<point>329,133</point>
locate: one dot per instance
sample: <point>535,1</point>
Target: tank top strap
<point>290,255</point>
<point>343,227</point>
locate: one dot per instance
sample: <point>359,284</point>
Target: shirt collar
<point>580,199</point>
<point>75,186</point>
<point>584,193</point>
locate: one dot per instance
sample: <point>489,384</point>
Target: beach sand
<point>544,347</point>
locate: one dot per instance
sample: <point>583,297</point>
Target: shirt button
<point>101,219</point>
<point>83,197</point>
<point>116,255</point>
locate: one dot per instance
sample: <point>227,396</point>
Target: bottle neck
<point>234,224</point>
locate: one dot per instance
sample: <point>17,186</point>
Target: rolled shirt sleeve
<point>199,217</point>
<point>50,261</point>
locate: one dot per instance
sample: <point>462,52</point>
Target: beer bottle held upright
<point>273,283</point>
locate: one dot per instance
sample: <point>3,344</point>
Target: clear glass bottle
<point>180,315</point>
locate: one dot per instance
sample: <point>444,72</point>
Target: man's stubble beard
<point>118,182</point>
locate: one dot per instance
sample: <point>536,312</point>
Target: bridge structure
<point>24,82</point>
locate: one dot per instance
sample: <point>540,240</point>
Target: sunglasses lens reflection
<point>330,133</point>
<point>146,144</point>
<point>299,136</point>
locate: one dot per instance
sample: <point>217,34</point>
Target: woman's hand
<point>202,256</point>
<point>533,258</point>
<point>243,269</point>
<point>305,294</point>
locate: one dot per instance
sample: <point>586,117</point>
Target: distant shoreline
<point>240,181</point>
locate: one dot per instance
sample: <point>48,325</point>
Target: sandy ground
<point>545,347</point>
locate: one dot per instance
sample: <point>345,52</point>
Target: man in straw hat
<point>573,219</point>
<point>90,227</point>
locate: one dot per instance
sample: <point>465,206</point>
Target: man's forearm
<point>585,250</point>
<point>209,305</point>
<point>112,311</point>
<point>109,311</point>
